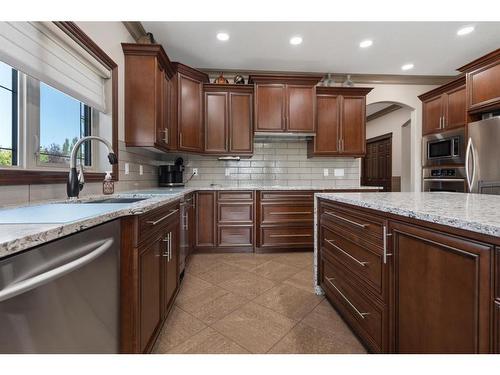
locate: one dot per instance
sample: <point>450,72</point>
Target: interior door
<point>432,114</point>
<point>216,122</point>
<point>300,113</point>
<point>270,107</point>
<point>353,125</point>
<point>326,140</point>
<point>376,167</point>
<point>190,114</point>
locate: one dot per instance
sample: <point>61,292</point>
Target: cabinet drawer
<point>364,261</point>
<point>235,236</point>
<point>287,196</point>
<point>235,213</point>
<point>285,236</point>
<point>286,213</point>
<point>234,195</point>
<point>359,223</point>
<point>364,315</point>
<point>151,222</point>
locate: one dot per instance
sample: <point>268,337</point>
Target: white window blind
<point>45,52</point>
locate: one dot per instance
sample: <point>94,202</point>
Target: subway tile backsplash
<point>275,162</point>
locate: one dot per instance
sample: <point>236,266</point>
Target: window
<point>63,120</point>
<point>8,115</point>
<point>36,116</point>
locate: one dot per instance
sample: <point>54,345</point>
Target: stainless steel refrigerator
<point>482,156</point>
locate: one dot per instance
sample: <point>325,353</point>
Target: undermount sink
<point>117,200</point>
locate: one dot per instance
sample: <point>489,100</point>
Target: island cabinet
<point>340,122</point>
<point>444,108</point>
<point>407,286</point>
<point>149,275</point>
<point>285,103</point>
<point>225,221</point>
<point>148,85</point>
<point>483,90</point>
<point>228,119</point>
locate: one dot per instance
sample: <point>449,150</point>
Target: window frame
<point>15,124</point>
<point>16,175</point>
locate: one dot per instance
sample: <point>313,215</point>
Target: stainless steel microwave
<point>446,148</point>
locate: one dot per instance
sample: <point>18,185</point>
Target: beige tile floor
<point>253,303</point>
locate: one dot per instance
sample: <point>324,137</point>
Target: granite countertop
<point>19,237</point>
<point>472,212</point>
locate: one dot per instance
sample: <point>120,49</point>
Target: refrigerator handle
<point>468,154</point>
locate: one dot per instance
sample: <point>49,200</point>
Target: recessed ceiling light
<point>465,30</point>
<point>296,40</point>
<point>366,43</point>
<point>407,66</point>
<point>223,36</point>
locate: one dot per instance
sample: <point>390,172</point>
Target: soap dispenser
<point>108,185</point>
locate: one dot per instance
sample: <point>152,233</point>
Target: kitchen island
<point>412,272</point>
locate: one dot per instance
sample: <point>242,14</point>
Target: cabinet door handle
<point>165,137</point>
<point>363,226</point>
<point>362,264</point>
<point>155,222</point>
<point>361,314</point>
<point>169,246</point>
<point>289,235</point>
<point>385,234</point>
<point>291,213</point>
<point>167,250</point>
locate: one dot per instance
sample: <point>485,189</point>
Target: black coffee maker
<point>171,174</point>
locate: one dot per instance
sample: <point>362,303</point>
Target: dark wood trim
<point>190,72</point>
<point>150,50</point>
<point>26,177</point>
<point>297,79</point>
<point>459,81</point>
<point>383,112</point>
<point>215,87</point>
<point>360,91</point>
<point>483,60</point>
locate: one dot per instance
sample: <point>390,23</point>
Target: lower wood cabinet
<point>149,275</point>
<point>418,290</point>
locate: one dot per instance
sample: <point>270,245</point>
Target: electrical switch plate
<point>325,172</point>
<point>195,171</point>
<point>127,168</point>
<point>338,172</point>
<point>141,170</point>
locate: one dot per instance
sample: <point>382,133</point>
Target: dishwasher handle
<point>44,278</point>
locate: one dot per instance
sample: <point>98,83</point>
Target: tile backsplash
<point>275,162</point>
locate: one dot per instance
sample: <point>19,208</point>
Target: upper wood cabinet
<point>340,122</point>
<point>148,74</point>
<point>228,112</point>
<point>188,92</point>
<point>285,103</point>
<point>483,88</point>
<point>444,107</point>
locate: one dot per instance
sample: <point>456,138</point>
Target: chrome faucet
<point>76,180</point>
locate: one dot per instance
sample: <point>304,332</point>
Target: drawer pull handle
<point>361,314</point>
<point>155,222</point>
<point>346,220</point>
<point>290,235</point>
<point>289,196</point>
<point>291,213</point>
<point>362,264</point>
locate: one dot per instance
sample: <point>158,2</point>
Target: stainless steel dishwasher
<point>63,297</point>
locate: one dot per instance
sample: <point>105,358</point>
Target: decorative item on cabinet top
<point>295,79</point>
<point>238,79</point>
<point>221,79</point>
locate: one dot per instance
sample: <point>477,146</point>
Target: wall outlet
<point>227,172</point>
<point>195,171</point>
<point>127,168</point>
<point>325,172</point>
<point>141,170</point>
<point>338,172</point>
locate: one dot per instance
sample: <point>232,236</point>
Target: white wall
<point>407,95</point>
<point>390,123</point>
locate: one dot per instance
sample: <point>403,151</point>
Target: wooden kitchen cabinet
<point>205,219</point>
<point>149,278</point>
<point>228,119</point>
<point>285,103</point>
<point>421,289</point>
<point>483,90</point>
<point>444,107</point>
<point>340,122</point>
<point>188,92</point>
<point>148,75</point>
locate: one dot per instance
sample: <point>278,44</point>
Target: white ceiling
<point>433,47</point>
